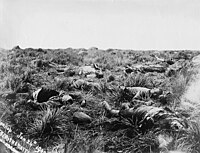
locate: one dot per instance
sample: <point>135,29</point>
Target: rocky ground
<point>81,123</point>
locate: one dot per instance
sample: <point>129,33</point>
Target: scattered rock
<point>18,115</point>
<point>80,117</point>
<point>67,99</point>
<point>83,103</point>
<point>91,76</point>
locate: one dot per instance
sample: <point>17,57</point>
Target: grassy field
<point>22,71</point>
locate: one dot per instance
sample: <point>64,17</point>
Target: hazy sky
<point>125,24</point>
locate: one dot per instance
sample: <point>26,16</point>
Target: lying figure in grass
<point>147,117</point>
<point>141,93</point>
<point>145,68</point>
<point>48,98</point>
<point>86,71</point>
<point>86,85</point>
<point>45,96</point>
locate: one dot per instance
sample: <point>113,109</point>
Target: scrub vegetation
<point>22,71</point>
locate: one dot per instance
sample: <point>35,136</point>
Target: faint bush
<point>180,83</point>
<point>20,120</point>
<point>84,142</point>
<point>13,82</point>
<point>64,84</point>
<point>193,136</point>
<point>186,141</point>
<point>139,80</point>
<point>138,143</point>
<point>182,55</point>
<point>53,125</point>
<point>66,57</point>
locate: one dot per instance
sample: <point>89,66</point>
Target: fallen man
<point>168,61</point>
<point>85,85</point>
<point>47,97</point>
<point>153,68</point>
<point>85,70</point>
<point>141,93</point>
<point>147,117</point>
<point>43,95</point>
<point>146,68</point>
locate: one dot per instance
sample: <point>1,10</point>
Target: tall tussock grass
<point>138,80</point>
<point>53,125</point>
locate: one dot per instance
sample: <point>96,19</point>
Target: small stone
<point>67,99</point>
<point>80,117</point>
<point>83,103</point>
<point>91,76</point>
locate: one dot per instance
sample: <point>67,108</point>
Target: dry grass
<point>54,129</point>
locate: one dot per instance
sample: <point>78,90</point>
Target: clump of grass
<point>193,137</point>
<point>13,82</point>
<point>3,110</point>
<point>187,141</point>
<point>64,84</point>
<point>53,125</point>
<point>121,142</point>
<point>85,141</point>
<point>20,117</point>
<point>139,80</point>
<point>65,57</point>
<point>179,85</point>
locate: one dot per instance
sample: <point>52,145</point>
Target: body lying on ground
<point>147,117</point>
<point>146,68</point>
<point>53,98</point>
<point>83,70</point>
<point>91,70</point>
<point>85,85</point>
<point>141,92</point>
<point>168,61</point>
<point>43,94</point>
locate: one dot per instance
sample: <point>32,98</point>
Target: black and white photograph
<point>99,76</point>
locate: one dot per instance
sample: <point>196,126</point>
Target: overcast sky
<point>123,24</point>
